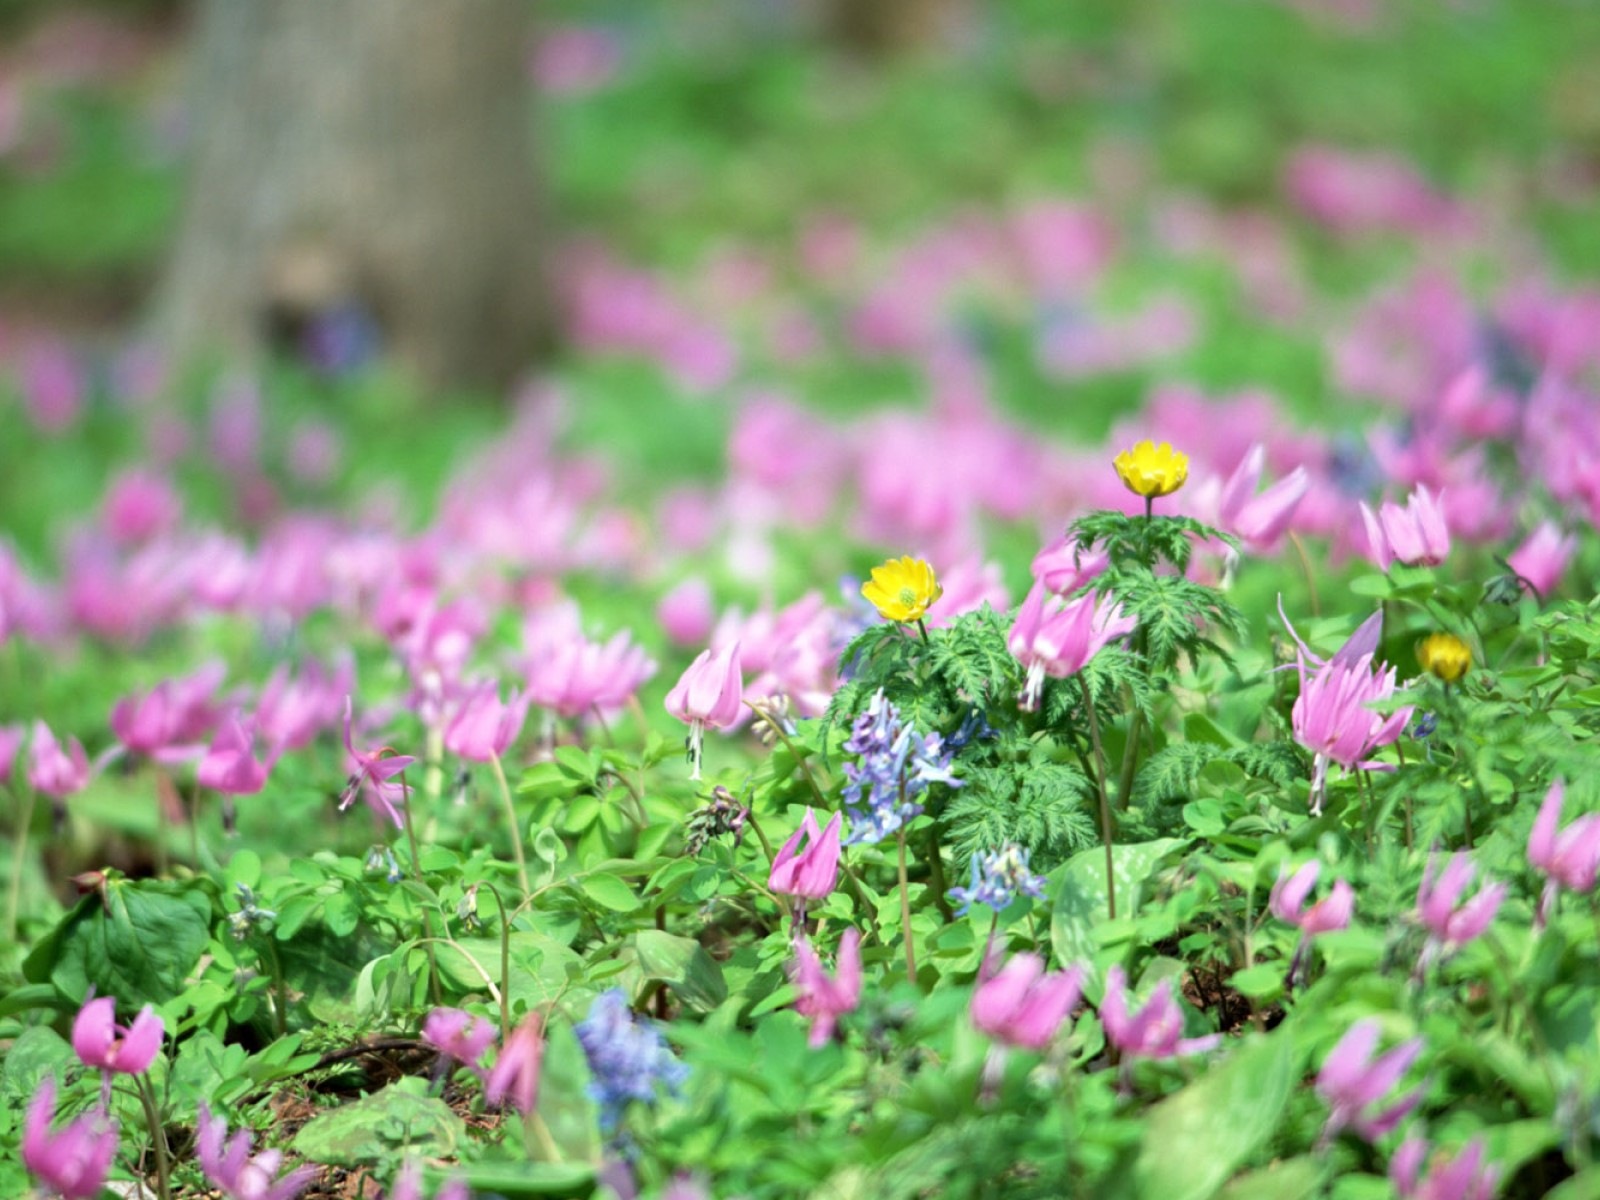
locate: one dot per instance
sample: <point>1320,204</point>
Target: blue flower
<point>998,878</point>
<point>627,1058</point>
<point>895,764</point>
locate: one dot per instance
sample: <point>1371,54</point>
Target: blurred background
<point>357,235</point>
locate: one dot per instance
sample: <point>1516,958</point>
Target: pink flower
<point>1414,535</point>
<point>1260,520</point>
<point>1351,1082</point>
<point>1540,560</point>
<point>515,1074</point>
<point>229,1166</point>
<point>708,694</point>
<point>170,722</point>
<point>686,612</point>
<point>1022,1004</point>
<point>458,1035</point>
<point>408,1185</point>
<point>230,765</point>
<point>73,1162</point>
<point>1464,1177</point>
<point>1063,568</point>
<point>810,873</point>
<point>1152,1032</point>
<point>372,774</point>
<point>822,999</point>
<point>293,710</point>
<point>1331,913</point>
<point>55,771</point>
<point>1058,640</point>
<point>100,1042</point>
<point>578,676</point>
<point>484,728</point>
<point>139,505</point>
<point>1451,923</point>
<point>1567,857</point>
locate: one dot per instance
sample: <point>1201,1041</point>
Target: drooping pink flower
<point>292,710</point>
<point>1058,640</point>
<point>515,1074</point>
<point>54,770</point>
<point>230,765</point>
<point>372,775</point>
<point>1463,1177</point>
<point>170,722</point>
<point>1063,568</point>
<point>1415,535</point>
<point>1288,902</point>
<point>1022,1004</point>
<point>686,613</point>
<point>576,676</point>
<point>73,1161</point>
<point>100,1042</point>
<point>822,999</point>
<point>483,728</point>
<point>1155,1030</point>
<point>1351,1082</point>
<point>227,1163</point>
<point>1569,857</point>
<point>1451,922</point>
<point>1260,520</point>
<point>458,1035</point>
<point>810,873</point>
<point>708,693</point>
<point>1541,559</point>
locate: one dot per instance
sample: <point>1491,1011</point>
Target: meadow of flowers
<point>1082,685</point>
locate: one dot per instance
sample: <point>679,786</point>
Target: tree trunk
<point>365,157</point>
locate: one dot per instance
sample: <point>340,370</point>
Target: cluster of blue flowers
<point>627,1058</point>
<point>895,765</point>
<point>998,878</point>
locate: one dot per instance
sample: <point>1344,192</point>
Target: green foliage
<point>1045,807</point>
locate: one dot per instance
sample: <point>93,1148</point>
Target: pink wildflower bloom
<point>1153,1031</point>
<point>1541,559</point>
<point>372,774</point>
<point>292,710</point>
<point>579,676</point>
<point>458,1035</point>
<point>709,693</point>
<point>1260,520</point>
<point>810,873</point>
<point>1567,857</point>
<point>1464,1177</point>
<point>73,1161</point>
<point>686,612</point>
<point>1022,1004</point>
<point>822,999</point>
<point>1451,923</point>
<point>138,506</point>
<point>53,770</point>
<point>170,722</point>
<point>408,1185</point>
<point>1414,535</point>
<point>968,586</point>
<point>515,1074</point>
<point>1331,913</point>
<point>483,727</point>
<point>1063,568</point>
<point>1058,640</point>
<point>230,765</point>
<point>100,1042</point>
<point>1351,1082</point>
<point>227,1163</point>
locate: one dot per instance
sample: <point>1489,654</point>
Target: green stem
<point>1105,804</point>
<point>905,912</point>
<point>280,988</point>
<point>761,837</point>
<point>800,759</point>
<point>427,917</point>
<point>1305,565</point>
<point>936,874</point>
<point>511,820</point>
<point>505,961</point>
<point>158,1135</point>
<point>1130,759</point>
<point>860,895</point>
<point>18,862</point>
<point>922,628</point>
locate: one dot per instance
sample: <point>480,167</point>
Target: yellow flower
<point>1150,470</point>
<point>902,589</point>
<point>1444,655</point>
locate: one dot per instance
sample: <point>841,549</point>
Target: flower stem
<point>505,960</point>
<point>511,821</point>
<point>158,1134</point>
<point>427,917</point>
<point>1105,804</point>
<point>922,628</point>
<point>1305,565</point>
<point>936,874</point>
<point>905,912</point>
<point>18,862</point>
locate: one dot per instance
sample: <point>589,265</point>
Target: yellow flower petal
<point>902,589</point>
<point>1149,470</point>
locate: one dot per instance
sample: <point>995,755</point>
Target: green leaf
<point>610,892</point>
<point>1293,1179</point>
<point>378,1127</point>
<point>1079,906</point>
<point>683,965</point>
<point>530,1179</point>
<point>1198,1137</point>
<point>40,1051</point>
<point>137,941</point>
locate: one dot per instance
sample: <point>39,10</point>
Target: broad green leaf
<point>1292,1179</point>
<point>1198,1137</point>
<point>40,1051</point>
<point>1080,905</point>
<point>610,892</point>
<point>531,1179</point>
<point>683,965</point>
<point>401,1117</point>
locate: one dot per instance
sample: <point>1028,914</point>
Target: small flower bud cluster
<point>722,816</point>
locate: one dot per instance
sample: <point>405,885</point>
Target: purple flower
<point>293,710</point>
<point>1464,1177</point>
<point>1260,520</point>
<point>1540,561</point>
<point>228,1165</point>
<point>372,775</point>
<point>1022,1004</point>
<point>1451,923</point>
<point>1153,1031</point>
<point>73,1161</point>
<point>1567,857</point>
<point>628,1058</point>
<point>894,765</point>
<point>810,873</point>
<point>1351,1082</point>
<point>998,878</point>
<point>101,1042</point>
<point>825,999</point>
<point>408,1185</point>
<point>458,1035</point>
<point>483,727</point>
<point>170,722</point>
